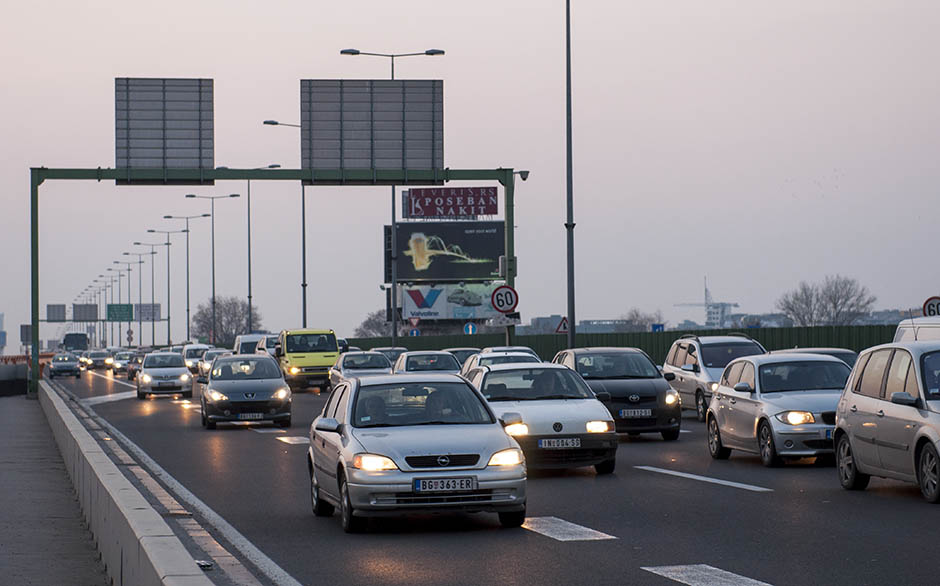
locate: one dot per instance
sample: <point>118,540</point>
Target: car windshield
<point>533,384</point>
<point>163,361</point>
<point>65,358</point>
<point>419,403</point>
<point>374,360</point>
<point>123,356</point>
<point>270,343</point>
<point>930,365</point>
<point>245,369</point>
<point>195,352</point>
<point>488,360</point>
<point>421,362</point>
<point>719,355</point>
<point>98,355</point>
<point>211,354</point>
<point>311,343</point>
<point>807,375</point>
<point>615,365</point>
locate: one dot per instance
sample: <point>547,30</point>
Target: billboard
<point>55,312</point>
<point>120,312</point>
<point>446,251</point>
<point>147,311</point>
<point>371,124</point>
<point>164,123</point>
<point>449,302</point>
<point>450,202</point>
<point>84,312</point>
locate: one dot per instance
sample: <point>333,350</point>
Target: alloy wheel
<point>846,463</point>
<point>929,473</point>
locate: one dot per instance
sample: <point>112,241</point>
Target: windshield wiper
<point>377,425</point>
<point>551,397</point>
<point>503,398</point>
<point>442,423</point>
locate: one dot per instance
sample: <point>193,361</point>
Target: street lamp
<point>130,326</point>
<point>153,252</point>
<point>391,57</point>
<point>212,199</point>
<point>169,338</point>
<point>120,275</point>
<point>271,166</point>
<point>569,223</point>
<point>187,218</point>
<point>140,293</point>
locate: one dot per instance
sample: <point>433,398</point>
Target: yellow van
<point>306,356</point>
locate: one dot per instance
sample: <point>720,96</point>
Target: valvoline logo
<point>424,301</point>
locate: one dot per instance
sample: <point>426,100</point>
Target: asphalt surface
<point>803,528</point>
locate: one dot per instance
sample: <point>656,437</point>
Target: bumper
<point>307,379</point>
<point>595,448</point>
<point>660,419</point>
<point>803,440</point>
<point>392,493</point>
<point>235,410</point>
<point>167,390</point>
<point>64,371</point>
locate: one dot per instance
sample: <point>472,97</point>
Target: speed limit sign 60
<point>504,299</point>
<point>932,306</point>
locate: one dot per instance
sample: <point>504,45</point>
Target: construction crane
<point>715,311</point>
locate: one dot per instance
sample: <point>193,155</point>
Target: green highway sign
<point>120,312</point>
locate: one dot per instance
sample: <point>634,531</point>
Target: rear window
<point>195,352</point>
<point>247,347</point>
<point>490,360</point>
<point>425,362</point>
<point>375,360</point>
<point>719,355</point>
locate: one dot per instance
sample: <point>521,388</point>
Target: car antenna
<point>913,325</point>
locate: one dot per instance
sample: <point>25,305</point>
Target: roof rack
<point>688,336</point>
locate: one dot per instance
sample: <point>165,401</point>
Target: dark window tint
<point>424,362</point>
<point>897,373</point>
<point>247,347</point>
<point>245,369</point>
<point>163,361</point>
<point>375,360</point>
<point>874,372</point>
<point>747,374</point>
<point>310,343</point>
<point>930,366</point>
<point>616,365</point>
<point>719,355</point>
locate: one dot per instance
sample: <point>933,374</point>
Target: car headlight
<point>517,429</point>
<point>510,457</point>
<point>294,370</point>
<point>109,360</point>
<point>146,378</point>
<point>184,377</point>
<point>373,463</point>
<point>796,417</point>
<point>598,426</point>
<point>189,364</point>
<point>281,394</point>
<point>671,397</point>
<point>713,387</point>
<point>216,396</point>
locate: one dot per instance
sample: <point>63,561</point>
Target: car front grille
<point>624,403</point>
<point>544,457</point>
<point>635,422</point>
<point>453,460</point>
<point>829,417</point>
<point>484,496</point>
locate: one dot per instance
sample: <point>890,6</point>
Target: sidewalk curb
<point>137,546</point>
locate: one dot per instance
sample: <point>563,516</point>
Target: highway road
<point>669,514</point>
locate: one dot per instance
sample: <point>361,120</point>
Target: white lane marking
<point>749,487</point>
<point>562,530</point>
<point>703,575</point>
<point>114,380</point>
<point>109,398</point>
<point>685,431</point>
<point>267,430</point>
<point>294,439</point>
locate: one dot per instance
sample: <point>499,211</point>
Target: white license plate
<point>445,484</point>
<point>562,443</point>
<point>628,413</point>
<point>250,416</point>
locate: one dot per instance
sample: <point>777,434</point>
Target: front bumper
<point>392,492</point>
<point>64,371</point>
<point>308,377</point>
<point>802,441</point>
<point>661,418</point>
<point>595,448</point>
<point>267,410</point>
<point>172,389</point>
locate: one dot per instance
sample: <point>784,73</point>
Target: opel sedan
<point>426,361</point>
<point>246,387</point>
<point>359,364</point>
<point>392,445</point>
<point>163,373</point>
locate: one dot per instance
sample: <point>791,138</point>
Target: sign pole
<point>508,182</point>
<point>35,179</point>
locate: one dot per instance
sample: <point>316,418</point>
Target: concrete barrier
<point>136,545</point>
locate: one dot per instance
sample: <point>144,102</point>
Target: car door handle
<point>880,413</point>
<point>853,409</point>
<point>732,401</point>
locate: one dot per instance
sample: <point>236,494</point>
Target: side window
<point>477,379</point>
<point>339,411</point>
<point>747,374</point>
<point>691,357</point>
<point>897,373</point>
<point>671,357</point>
<point>331,402</point>
<point>911,385</point>
<point>679,358</point>
<point>856,376</point>
<point>560,359</point>
<point>873,375</point>
<point>733,372</point>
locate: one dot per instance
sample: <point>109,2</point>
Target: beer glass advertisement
<point>447,251</point>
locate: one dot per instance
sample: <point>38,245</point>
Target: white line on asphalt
<point>750,487</point>
<point>684,431</point>
<point>703,575</point>
<point>114,380</point>
<point>562,530</point>
<point>109,398</point>
<point>294,439</point>
<point>267,430</point>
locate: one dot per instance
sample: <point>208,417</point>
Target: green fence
<point>655,344</point>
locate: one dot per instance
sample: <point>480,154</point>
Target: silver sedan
<point>164,373</point>
<point>391,445</point>
<point>426,361</point>
<point>353,364</point>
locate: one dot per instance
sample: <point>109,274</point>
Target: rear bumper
<point>595,448</point>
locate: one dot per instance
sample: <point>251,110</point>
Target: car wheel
<point>671,435</point>
<point>768,451</point>
<point>320,507</point>
<point>849,475</point>
<point>606,467</point>
<point>700,407</point>
<point>715,448</point>
<point>351,523</point>
<point>79,375</point>
<point>141,396</point>
<point>928,473</point>
<point>284,423</point>
<point>512,520</point>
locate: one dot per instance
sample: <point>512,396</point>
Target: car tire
<point>768,450</point>
<point>79,375</point>
<point>671,435</point>
<point>320,507</point>
<point>715,447</point>
<point>928,473</point>
<point>285,423</point>
<point>141,396</point>
<point>606,467</point>
<point>511,520</point>
<point>849,475</point>
<point>701,409</point>
<point>351,523</point>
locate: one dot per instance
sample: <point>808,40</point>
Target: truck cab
<point>305,357</point>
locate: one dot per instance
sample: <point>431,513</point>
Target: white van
<point>247,343</point>
<point>919,329</point>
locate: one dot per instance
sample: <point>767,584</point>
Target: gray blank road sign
<point>147,311</point>
<point>55,312</point>
<point>84,312</point>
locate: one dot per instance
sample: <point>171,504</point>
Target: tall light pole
<point>130,326</point>
<point>187,218</point>
<point>120,275</point>
<point>169,337</point>
<point>391,57</point>
<point>271,166</point>
<point>140,293</point>
<point>153,253</point>
<point>569,223</point>
<point>303,233</point>
<point>212,199</point>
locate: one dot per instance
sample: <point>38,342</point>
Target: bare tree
<point>844,300</point>
<point>374,326</point>
<point>802,304</point>
<point>231,318</point>
<point>637,321</point>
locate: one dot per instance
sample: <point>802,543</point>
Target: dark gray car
<point>245,387</point>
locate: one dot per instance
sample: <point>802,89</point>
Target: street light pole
<point>140,292</point>
<point>153,253</point>
<point>169,338</point>
<point>394,259</point>
<point>212,199</point>
<point>271,166</point>
<point>187,218</point>
<point>569,224</point>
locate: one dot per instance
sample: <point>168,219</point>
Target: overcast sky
<point>757,143</point>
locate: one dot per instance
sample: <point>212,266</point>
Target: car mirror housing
<point>743,388</point>
<point>670,376</point>
<point>277,350</point>
<point>904,398</point>
<point>202,380</point>
<point>510,418</point>
<point>603,396</point>
<point>328,424</point>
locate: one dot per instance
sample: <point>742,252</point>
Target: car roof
<point>524,366</point>
<point>250,337</point>
<point>363,353</point>
<point>425,352</point>
<point>529,354</point>
<point>705,340</point>
<point>380,348</point>
<point>811,350</point>
<point>292,332</point>
<point>604,349</point>
<point>760,359</point>
<point>913,347</point>
<point>920,321</point>
<point>391,379</point>
<point>460,349</point>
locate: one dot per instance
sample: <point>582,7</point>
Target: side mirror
<point>510,418</point>
<point>743,388</point>
<point>670,376</point>
<point>202,380</point>
<point>904,398</point>
<point>603,397</point>
<point>328,424</point>
<point>277,350</point>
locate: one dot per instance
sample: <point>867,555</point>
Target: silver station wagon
<point>888,418</point>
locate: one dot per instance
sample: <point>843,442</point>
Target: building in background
<point>3,335</point>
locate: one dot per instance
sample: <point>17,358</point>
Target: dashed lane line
<point>294,439</point>
<point>703,575</point>
<point>109,398</point>
<point>112,379</point>
<point>708,479</point>
<point>267,430</point>
<point>561,530</point>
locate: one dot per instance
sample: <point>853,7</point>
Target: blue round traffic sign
<point>470,328</point>
<point>414,332</point>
